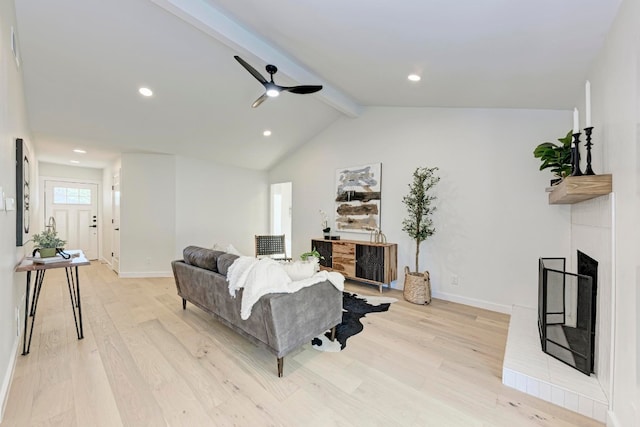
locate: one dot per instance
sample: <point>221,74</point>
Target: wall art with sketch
<point>358,198</point>
<point>23,192</point>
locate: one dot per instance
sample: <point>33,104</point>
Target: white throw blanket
<point>261,276</point>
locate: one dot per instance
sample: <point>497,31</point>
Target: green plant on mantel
<point>48,239</point>
<point>557,157</point>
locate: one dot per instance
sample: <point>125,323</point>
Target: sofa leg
<point>184,304</point>
<point>333,333</point>
<point>280,366</point>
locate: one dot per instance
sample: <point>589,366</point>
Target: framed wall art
<point>358,198</point>
<point>23,181</point>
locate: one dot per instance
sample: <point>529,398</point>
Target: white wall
<point>615,83</point>
<point>493,220</point>
<point>218,204</point>
<point>13,125</point>
<point>67,171</point>
<point>147,215</point>
<point>171,202</point>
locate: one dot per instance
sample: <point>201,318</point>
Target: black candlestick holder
<point>575,155</point>
<point>587,132</point>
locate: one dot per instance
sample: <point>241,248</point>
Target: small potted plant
<point>556,156</point>
<point>324,223</point>
<point>312,256</point>
<point>47,243</point>
<point>419,225</point>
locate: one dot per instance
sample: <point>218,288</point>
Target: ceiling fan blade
<point>304,89</point>
<point>259,101</point>
<point>250,69</point>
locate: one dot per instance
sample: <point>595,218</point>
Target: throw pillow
<point>201,257</point>
<point>299,270</point>
<point>232,250</point>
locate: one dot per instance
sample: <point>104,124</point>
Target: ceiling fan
<point>271,89</point>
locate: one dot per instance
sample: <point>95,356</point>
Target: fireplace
<point>567,311</point>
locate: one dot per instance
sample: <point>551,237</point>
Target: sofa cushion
<point>202,257</point>
<point>225,261</point>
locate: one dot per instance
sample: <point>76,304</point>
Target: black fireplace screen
<point>566,314</point>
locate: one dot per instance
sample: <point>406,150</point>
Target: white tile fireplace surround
<point>528,369</point>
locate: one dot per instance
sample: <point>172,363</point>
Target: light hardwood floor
<point>146,362</point>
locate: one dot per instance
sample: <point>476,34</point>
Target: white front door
<point>74,206</point>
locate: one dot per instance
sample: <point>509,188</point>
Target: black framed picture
<point>358,198</point>
<point>23,180</point>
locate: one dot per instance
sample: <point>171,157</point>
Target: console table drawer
<point>344,248</point>
<point>343,258</point>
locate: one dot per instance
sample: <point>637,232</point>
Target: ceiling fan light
<point>145,91</point>
<point>272,93</point>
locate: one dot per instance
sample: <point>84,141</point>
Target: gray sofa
<point>279,322</point>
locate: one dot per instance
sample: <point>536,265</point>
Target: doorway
<point>115,224</point>
<point>281,202</point>
<point>74,207</point>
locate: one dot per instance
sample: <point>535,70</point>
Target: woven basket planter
<point>417,287</point>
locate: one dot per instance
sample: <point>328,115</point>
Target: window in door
<point>71,196</point>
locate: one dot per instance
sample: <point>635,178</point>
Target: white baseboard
<point>612,421</point>
<point>144,274</point>
<point>8,377</point>
<point>487,305</point>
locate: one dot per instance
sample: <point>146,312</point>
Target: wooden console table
<point>375,263</point>
<point>73,283</point>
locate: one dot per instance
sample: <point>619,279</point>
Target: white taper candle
<point>587,89</point>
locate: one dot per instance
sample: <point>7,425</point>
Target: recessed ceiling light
<point>414,77</point>
<point>145,91</point>
<point>79,151</point>
<point>267,132</point>
<point>74,161</point>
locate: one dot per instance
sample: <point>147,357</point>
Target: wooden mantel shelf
<point>574,189</point>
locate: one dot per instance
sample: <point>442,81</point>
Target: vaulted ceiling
<point>84,60</point>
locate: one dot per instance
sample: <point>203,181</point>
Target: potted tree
<point>556,156</point>
<point>47,243</point>
<point>419,225</point>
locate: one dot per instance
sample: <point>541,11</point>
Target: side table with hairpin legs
<point>32,296</point>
